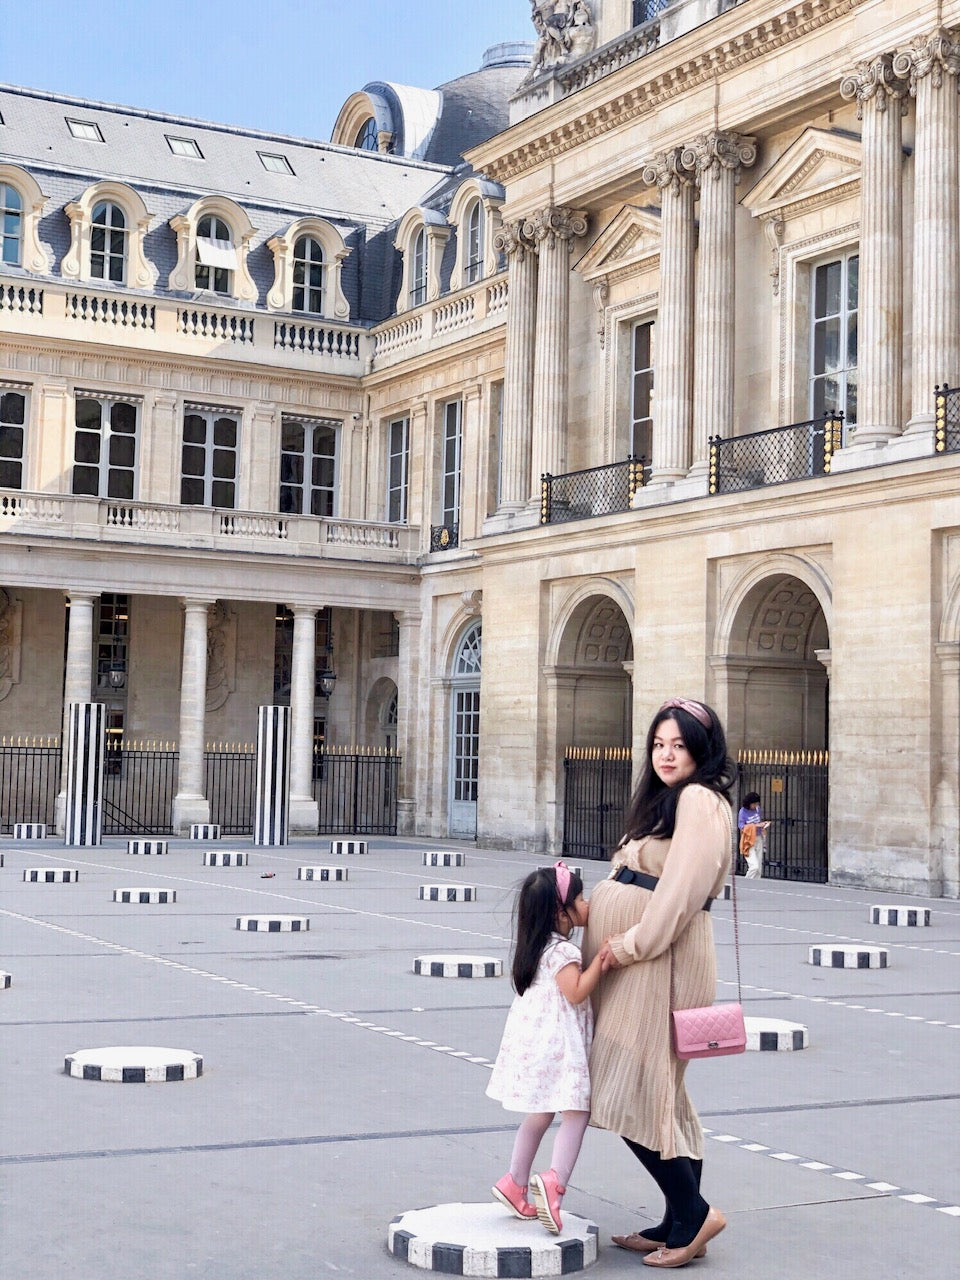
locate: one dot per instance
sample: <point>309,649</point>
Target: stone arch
<point>589,666</point>
<point>380,728</point>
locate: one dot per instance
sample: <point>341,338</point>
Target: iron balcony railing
<point>444,537</point>
<point>596,491</point>
<point>946,435</point>
<point>797,452</point>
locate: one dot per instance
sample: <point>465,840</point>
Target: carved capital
<point>874,80</point>
<point>929,55</point>
<point>555,226</point>
<point>511,239</point>
<point>718,150</point>
<point>668,171</point>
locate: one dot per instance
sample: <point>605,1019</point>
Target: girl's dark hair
<point>752,797</point>
<point>535,918</point>
<point>653,807</point>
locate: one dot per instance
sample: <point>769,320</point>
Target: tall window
<point>398,463</point>
<point>450,497</point>
<point>208,476</point>
<point>13,408</point>
<point>308,276</point>
<point>113,642</point>
<point>216,256</point>
<point>418,269</point>
<point>11,225</point>
<point>833,362</point>
<point>473,259</point>
<point>641,392</point>
<point>108,243</point>
<point>308,468</point>
<point>105,447</point>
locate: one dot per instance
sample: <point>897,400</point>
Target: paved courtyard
<point>339,1088</point>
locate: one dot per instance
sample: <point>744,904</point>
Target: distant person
<point>542,1064</point>
<point>752,826</point>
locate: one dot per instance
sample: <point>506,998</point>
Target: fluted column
<point>879,94</point>
<point>411,735</point>
<point>78,678</point>
<point>717,159</point>
<point>931,66</point>
<point>516,427</point>
<point>554,229</point>
<point>304,811</point>
<point>189,804</point>
<point>674,332</point>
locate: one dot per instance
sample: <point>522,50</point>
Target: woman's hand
<point>607,958</point>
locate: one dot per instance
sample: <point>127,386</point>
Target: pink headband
<point>695,709</point>
<point>562,872</point>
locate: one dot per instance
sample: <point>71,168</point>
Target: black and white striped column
<point>86,736</point>
<point>270,818</point>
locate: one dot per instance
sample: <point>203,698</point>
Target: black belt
<point>645,881</point>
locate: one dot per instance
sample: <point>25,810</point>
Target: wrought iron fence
<point>595,795</point>
<point>356,790</point>
<point>29,781</point>
<point>794,791</point>
<point>230,784</point>
<point>444,537</point>
<point>139,783</point>
<point>596,491</point>
<point>947,420</point>
<point>797,452</point>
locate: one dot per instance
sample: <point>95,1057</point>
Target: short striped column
<point>51,875</point>
<point>448,893</point>
<point>348,846</point>
<point>766,1035</point>
<point>147,846</point>
<point>225,858</point>
<point>832,956</point>
<point>486,1240</point>
<point>86,738</point>
<point>133,1064</point>
<point>273,924</point>
<point>144,896</point>
<point>272,807</point>
<point>323,873</point>
<point>204,831</point>
<point>444,859</point>
<point>910,917</point>
<point>453,966</point>
<point>5,979</point>
<point>29,831</point>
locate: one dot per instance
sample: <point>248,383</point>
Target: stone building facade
<point>708,248</point>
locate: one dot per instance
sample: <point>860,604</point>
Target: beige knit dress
<point>664,940</point>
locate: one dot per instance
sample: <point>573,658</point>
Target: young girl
<point>542,1064</point>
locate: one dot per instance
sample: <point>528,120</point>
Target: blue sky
<point>279,65</point>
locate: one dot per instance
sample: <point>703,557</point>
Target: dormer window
<point>418,269</point>
<point>108,243</point>
<point>216,256</point>
<point>473,228</point>
<point>366,139</point>
<point>11,225</point>
<point>308,276</point>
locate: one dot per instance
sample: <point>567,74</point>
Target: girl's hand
<point>607,958</point>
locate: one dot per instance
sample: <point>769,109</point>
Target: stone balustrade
<point>471,310</point>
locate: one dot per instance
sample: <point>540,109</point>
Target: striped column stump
<point>273,924</point>
<point>147,846</point>
<point>852,956</point>
<point>447,966</point>
<point>322,873</point>
<point>485,1240</point>
<point>448,893</point>
<point>51,875</point>
<point>5,980</point>
<point>144,896</point>
<point>348,846</point>
<point>444,859</point>
<point>226,858</point>
<point>133,1064</point>
<point>204,831</point>
<point>913,917</point>
<point>727,893</point>
<point>29,831</point>
<point>769,1034</point>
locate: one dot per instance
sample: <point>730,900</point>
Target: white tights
<point>566,1145</point>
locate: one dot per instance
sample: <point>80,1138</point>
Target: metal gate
<point>139,783</point>
<point>29,781</point>
<point>794,791</point>
<point>595,796</point>
<point>356,790</point>
<point>229,783</point>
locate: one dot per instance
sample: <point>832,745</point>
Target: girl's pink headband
<point>562,872</point>
<point>695,709</point>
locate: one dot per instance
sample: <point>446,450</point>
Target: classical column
<point>674,346</point>
<point>717,159</point>
<point>78,680</point>
<point>931,66</point>
<point>515,431</point>
<point>879,94</point>
<point>409,734</point>
<point>304,810</point>
<point>554,229</point>
<point>189,804</point>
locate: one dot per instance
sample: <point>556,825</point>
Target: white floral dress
<point>542,1063</point>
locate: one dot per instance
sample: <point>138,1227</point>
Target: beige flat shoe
<point>713,1224</point>
<point>637,1242</point>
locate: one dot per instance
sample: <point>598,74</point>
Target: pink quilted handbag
<point>710,1032</point>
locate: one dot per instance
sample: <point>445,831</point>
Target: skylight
<point>85,129</point>
<point>184,147</point>
<point>275,163</point>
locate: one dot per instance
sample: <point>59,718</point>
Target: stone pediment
<point>629,242</point>
<point>819,168</point>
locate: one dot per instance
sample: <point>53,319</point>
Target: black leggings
<point>679,1180</point>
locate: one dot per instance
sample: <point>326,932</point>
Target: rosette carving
<point>875,80</point>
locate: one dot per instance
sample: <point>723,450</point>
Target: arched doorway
<point>465,733</point>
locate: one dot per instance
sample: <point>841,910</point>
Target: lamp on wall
<point>326,682</point>
<point>117,677</point>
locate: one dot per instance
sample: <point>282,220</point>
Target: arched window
<point>465,734</point>
<point>418,269</point>
<point>308,276</point>
<point>467,661</point>
<point>108,243</point>
<point>11,225</point>
<point>366,139</point>
<point>216,256</point>
<point>473,257</point>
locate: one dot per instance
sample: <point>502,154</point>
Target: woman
<point>659,956</point>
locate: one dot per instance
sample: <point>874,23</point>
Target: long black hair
<point>535,918</point>
<point>653,807</point>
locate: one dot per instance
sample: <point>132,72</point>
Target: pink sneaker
<point>547,1194</point>
<point>513,1198</point>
